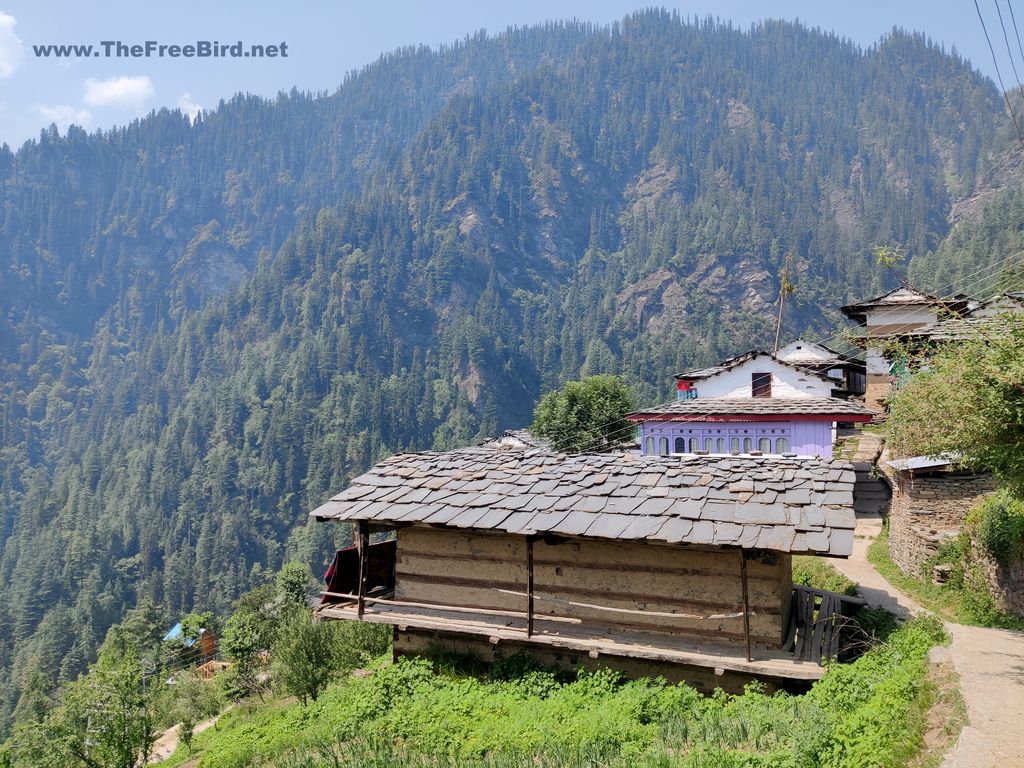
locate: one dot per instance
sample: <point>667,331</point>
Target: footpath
<point>988,662</point>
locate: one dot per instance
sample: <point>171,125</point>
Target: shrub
<point>999,526</point>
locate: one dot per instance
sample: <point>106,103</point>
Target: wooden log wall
<point>488,570</point>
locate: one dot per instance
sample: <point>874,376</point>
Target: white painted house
<point>755,374</point>
<point>847,370</point>
<point>893,314</point>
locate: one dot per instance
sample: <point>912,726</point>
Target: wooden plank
<point>614,643</point>
<point>819,629</point>
<point>556,563</point>
<point>789,641</point>
<point>529,587</point>
<point>569,592</point>
<point>746,603</point>
<point>364,548</point>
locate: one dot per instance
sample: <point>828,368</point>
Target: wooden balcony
<point>568,633</point>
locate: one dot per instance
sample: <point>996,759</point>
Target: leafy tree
<point>587,415</point>
<point>293,583</point>
<point>969,400</point>
<point>106,719</point>
<point>196,700</point>
<point>305,656</point>
<point>248,636</point>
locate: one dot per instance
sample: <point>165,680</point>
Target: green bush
<point>999,527</point>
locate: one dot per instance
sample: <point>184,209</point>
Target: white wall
<point>786,382</point>
<point>913,316</point>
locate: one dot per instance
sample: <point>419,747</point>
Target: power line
<point>1015,30</point>
<point>1009,52</point>
<point>998,73</point>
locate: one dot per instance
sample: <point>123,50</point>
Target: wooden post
<point>364,547</point>
<point>529,586</point>
<point>746,604</point>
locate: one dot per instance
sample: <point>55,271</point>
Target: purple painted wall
<point>805,438</point>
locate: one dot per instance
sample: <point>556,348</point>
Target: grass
<point>869,712</point>
<point>815,572</point>
<point>965,600</point>
<point>943,712</point>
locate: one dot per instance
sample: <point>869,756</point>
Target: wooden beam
<point>529,586</point>
<point>746,604</point>
<point>364,548</point>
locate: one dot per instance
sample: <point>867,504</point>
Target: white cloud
<point>63,114</point>
<point>12,50</point>
<point>118,91</point>
<point>189,106</point>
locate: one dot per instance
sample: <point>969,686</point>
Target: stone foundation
<point>927,510</point>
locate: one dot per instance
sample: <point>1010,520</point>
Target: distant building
<point>790,426</point>
<point>810,355</point>
<point>674,566</point>
<point>195,651</point>
<point>756,374</point>
<point>888,316</point>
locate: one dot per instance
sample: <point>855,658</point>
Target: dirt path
<point>168,741</point>
<point>989,662</point>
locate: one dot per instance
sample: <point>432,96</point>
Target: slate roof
<point>734,362</point>
<point>720,408</point>
<point>782,504</point>
<point>900,297</point>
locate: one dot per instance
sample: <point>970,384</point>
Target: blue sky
<point>327,39</point>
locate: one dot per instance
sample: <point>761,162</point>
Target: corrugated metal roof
<point>783,504</point>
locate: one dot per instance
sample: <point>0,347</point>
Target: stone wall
<point>1006,582</point>
<point>928,509</point>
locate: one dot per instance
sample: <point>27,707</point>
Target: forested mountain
<point>204,328</point>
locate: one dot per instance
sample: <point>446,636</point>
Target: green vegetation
<point>585,416</point>
<point>984,377</point>
<point>998,525</point>
<point>819,573</point>
<point>870,712</point>
<point>209,327</point>
<point>965,598</point>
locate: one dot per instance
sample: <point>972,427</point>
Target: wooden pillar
<point>529,586</point>
<point>746,603</point>
<point>364,551</point>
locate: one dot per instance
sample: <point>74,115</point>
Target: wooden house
<point>194,651</point>
<point>890,315</point>
<point>678,566</point>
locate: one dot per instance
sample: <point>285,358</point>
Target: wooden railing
<point>817,619</point>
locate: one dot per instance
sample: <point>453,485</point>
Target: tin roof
<point>783,504</point>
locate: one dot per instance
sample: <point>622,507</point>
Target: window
<point>663,446</point>
<point>782,445</point>
<point>720,445</point>
<point>734,445</point>
<point>760,385</point>
<point>680,445</point>
<point>708,445</point>
<point>748,444</point>
<point>649,446</point>
<point>764,445</point>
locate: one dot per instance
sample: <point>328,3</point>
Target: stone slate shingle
<point>703,408</point>
<point>712,500</point>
